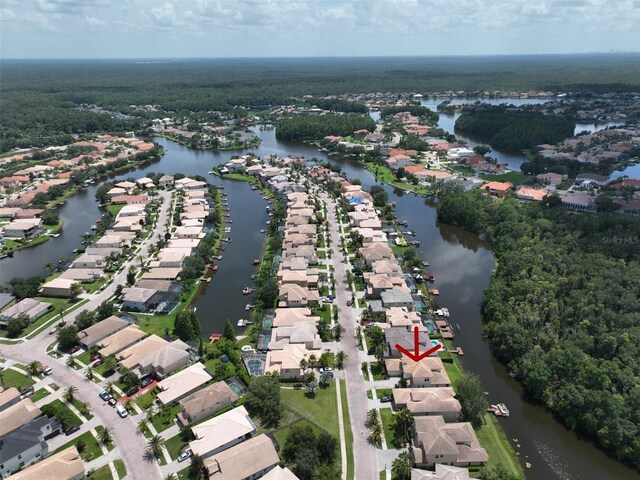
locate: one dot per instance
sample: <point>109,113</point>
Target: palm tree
<point>110,388</point>
<point>104,436</point>
<point>89,373</point>
<point>197,468</point>
<point>110,363</point>
<point>34,368</point>
<point>171,476</point>
<point>128,404</point>
<point>70,393</point>
<point>376,434</point>
<point>338,330</point>
<point>372,417</point>
<point>142,426</point>
<point>402,424</point>
<point>83,408</point>
<point>401,466</point>
<point>71,362</point>
<point>2,376</point>
<point>341,358</point>
<point>155,444</point>
<point>304,364</point>
<point>312,360</point>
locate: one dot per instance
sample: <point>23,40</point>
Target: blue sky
<point>268,28</point>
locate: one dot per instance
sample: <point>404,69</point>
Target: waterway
<point>462,264</point>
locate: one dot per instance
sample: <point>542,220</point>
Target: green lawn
<point>91,450</point>
<point>175,445</point>
<point>467,171</point>
<point>76,403</point>
<point>39,394</point>
<point>513,177</point>
<point>387,422</point>
<point>321,410</point>
<point>348,434</point>
<point>120,468</point>
<point>164,419</point>
<point>60,410</point>
<point>494,441</point>
<point>11,378</point>
<point>111,445</point>
<point>453,368</point>
<point>102,473</point>
<point>147,399</point>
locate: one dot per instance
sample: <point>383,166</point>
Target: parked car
<point>184,455</point>
<point>146,381</point>
<point>327,374</point>
<point>385,399</point>
<point>326,369</point>
<point>112,402</point>
<point>47,370</point>
<point>98,362</point>
<point>72,429</point>
<point>26,390</point>
<point>104,395</point>
<point>348,303</point>
<point>74,349</point>
<point>132,392</point>
<point>121,411</point>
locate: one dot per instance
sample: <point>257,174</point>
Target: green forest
<point>563,310</point>
<point>312,127</point>
<point>513,130</point>
<point>37,98</point>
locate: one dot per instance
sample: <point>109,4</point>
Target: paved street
<point>364,453</point>
<point>130,443</point>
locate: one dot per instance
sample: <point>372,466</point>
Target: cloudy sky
<point>268,28</point>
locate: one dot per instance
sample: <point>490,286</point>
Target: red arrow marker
<point>417,356</point>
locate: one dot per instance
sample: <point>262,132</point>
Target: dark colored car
<point>112,401</point>
<point>145,382</point>
<point>75,349</point>
<point>132,392</point>
<point>72,429</point>
<point>98,362</point>
<point>385,399</point>
<point>26,390</point>
<point>348,303</point>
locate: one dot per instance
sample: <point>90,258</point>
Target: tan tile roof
<point>243,460</point>
<point>182,383</point>
<point>64,465</point>
<point>207,399</point>
<point>121,340</point>
<point>132,356</point>
<point>17,415</point>
<point>101,329</point>
<point>221,430</point>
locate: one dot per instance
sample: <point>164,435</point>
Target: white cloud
<point>164,15</point>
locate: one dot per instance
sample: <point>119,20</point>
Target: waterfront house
<point>248,460</point>
<point>426,373</point>
<point>428,401</point>
<point>442,472</point>
<point>129,199</point>
<point>139,299</point>
<point>145,183</point>
<point>165,361</point>
<point>304,333</point>
<point>58,287</point>
<point>120,340</point>
<point>182,383</point>
<point>292,295</point>
<point>403,318</point>
<point>578,201</point>
<point>91,336</point>
<point>397,297</point>
<point>498,189</point>
<point>85,275</point>
<point>404,337</point>
<point>64,465</point>
<point>162,274</point>
<point>23,228</point>
<point>532,194</point>
<point>286,362</point>
<point>376,251</point>
<point>552,178</point>
<point>435,441</point>
<point>205,402</point>
<point>286,317</point>
<point>171,258</point>
<point>222,432</point>
<point>87,260</point>
<point>165,181</point>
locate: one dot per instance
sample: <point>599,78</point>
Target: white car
<point>121,411</point>
<point>184,455</point>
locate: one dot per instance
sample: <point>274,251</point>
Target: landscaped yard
<point>102,473</point>
<point>120,468</point>
<point>147,399</point>
<point>62,413</point>
<point>513,177</point>
<point>11,378</point>
<point>175,445</point>
<point>321,410</point>
<point>165,418</point>
<point>39,394</point>
<point>91,448</point>
<point>387,422</point>
<point>348,434</point>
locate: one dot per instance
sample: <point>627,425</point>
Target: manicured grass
<point>165,418</point>
<point>115,209</point>
<point>494,441</point>
<point>11,378</point>
<point>91,450</point>
<point>60,410</point>
<point>467,171</point>
<point>383,475</point>
<point>102,473</point>
<point>39,394</point>
<point>453,368</point>
<point>85,357</point>
<point>109,446</point>
<point>321,410</point>
<point>76,403</point>
<point>381,392</point>
<point>348,434</point>
<point>240,177</point>
<point>175,445</point>
<point>387,422</point>
<point>513,177</point>
<point>378,372</point>
<point>147,399</point>
<point>120,468</point>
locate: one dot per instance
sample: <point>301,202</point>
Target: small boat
<point>242,322</point>
<point>445,311</point>
<point>219,257</point>
<point>3,255</point>
<point>55,235</point>
<point>98,221</point>
<point>431,276</point>
<point>458,327</point>
<point>254,276</point>
<point>459,351</point>
<point>425,264</point>
<point>256,261</point>
<point>263,231</point>
<point>93,227</point>
<point>247,290</point>
<point>75,250</point>
<point>248,307</point>
<point>434,291</point>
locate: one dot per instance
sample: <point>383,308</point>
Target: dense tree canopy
<point>316,127</point>
<point>563,310</point>
<point>508,129</point>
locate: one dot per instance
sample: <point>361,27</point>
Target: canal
<point>462,264</point>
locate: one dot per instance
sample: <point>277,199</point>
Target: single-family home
<point>120,340</point>
<point>58,287</point>
<point>428,401</point>
<point>87,260</point>
<point>139,299</point>
<point>165,361</point>
<point>292,295</point>
<point>397,297</point>
<point>222,432</point>
<point>286,362</point>
<point>248,460</point>
<point>64,465</point>
<point>131,356</point>
<point>497,189</point>
<point>532,194</point>
<point>8,397</point>
<point>182,383</point>
<point>16,415</point>
<point>442,472</point>
<point>305,333</point>
<point>428,372</point>
<point>205,402</point>
<point>23,228</point>
<point>162,274</point>
<point>28,307</point>
<point>91,336</point>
